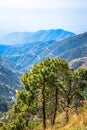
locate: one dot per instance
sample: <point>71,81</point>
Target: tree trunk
<point>68,102</point>
<point>55,107</point>
<point>67,116</point>
<point>43,108</point>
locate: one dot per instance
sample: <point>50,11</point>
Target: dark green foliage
<point>51,87</point>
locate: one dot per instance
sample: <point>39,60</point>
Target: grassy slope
<point>76,122</point>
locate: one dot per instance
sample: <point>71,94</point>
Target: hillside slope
<point>27,55</point>
<point>9,84</point>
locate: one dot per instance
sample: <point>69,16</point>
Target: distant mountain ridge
<point>42,35</point>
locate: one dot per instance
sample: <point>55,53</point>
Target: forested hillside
<point>43,64</point>
<point>54,94</point>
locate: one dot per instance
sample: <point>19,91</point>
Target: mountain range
<point>26,55</point>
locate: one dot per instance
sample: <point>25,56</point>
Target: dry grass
<point>76,122</point>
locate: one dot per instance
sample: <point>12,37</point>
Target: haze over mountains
<point>20,51</point>
<point>42,35</point>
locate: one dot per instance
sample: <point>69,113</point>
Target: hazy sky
<point>33,15</point>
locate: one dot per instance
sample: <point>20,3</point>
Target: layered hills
<point>25,56</point>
